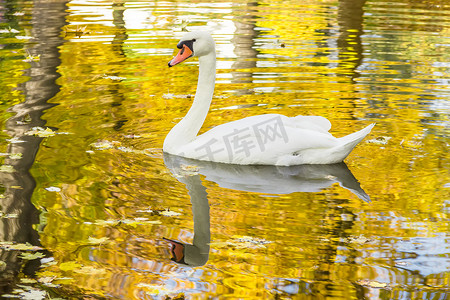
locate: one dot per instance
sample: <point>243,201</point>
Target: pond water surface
<point>91,207</point>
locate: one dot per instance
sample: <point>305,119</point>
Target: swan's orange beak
<point>177,249</point>
<point>184,53</point>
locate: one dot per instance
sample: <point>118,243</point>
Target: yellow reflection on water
<point>309,233</point>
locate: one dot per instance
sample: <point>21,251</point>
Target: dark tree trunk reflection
<point>350,20</point>
<point>47,18</point>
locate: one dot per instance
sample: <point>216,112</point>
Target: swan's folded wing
<point>316,123</point>
<point>259,139</point>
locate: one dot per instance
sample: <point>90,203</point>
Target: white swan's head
<point>197,43</point>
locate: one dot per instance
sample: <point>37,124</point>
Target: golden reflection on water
<point>307,232</point>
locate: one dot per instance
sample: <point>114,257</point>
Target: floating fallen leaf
<point>24,247</point>
<point>48,264</point>
<point>31,57</point>
<point>244,242</point>
<point>139,221</point>
<point>184,25</point>
<point>105,145</point>
<point>15,156</point>
<point>372,284</point>
<point>41,132</point>
<point>381,140</point>
<point>112,77</point>
<point>51,285</point>
<point>15,140</point>
<point>69,266</point>
<point>173,96</point>
<point>411,143</point>
<point>31,256</point>
<point>23,37</point>
<point>169,213</point>
<point>78,31</point>
<point>253,240</point>
<point>90,270</point>
<point>26,119</point>
<point>11,296</point>
<point>34,294</point>
<point>46,279</point>
<point>158,289</point>
<point>53,189</point>
<point>8,216</point>
<point>153,152</point>
<point>189,170</point>
<point>7,169</point>
<point>358,239</point>
<point>127,149</point>
<point>106,222</point>
<point>9,30</point>
<point>147,211</point>
<point>65,279</point>
<point>98,241</point>
<point>28,280</point>
<point>47,260</point>
<point>132,136</point>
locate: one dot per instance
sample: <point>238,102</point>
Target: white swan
<point>269,139</point>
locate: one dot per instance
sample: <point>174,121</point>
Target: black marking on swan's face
<point>189,44</point>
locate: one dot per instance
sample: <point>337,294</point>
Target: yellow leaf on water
<point>376,284</point>
<point>15,155</point>
<point>372,284</point>
<point>242,242</point>
<point>381,140</point>
<point>7,169</point>
<point>112,77</point>
<point>41,132</point>
<point>188,170</point>
<point>28,280</point>
<point>46,279</point>
<point>8,216</point>
<point>24,247</point>
<point>11,296</point>
<point>169,213</point>
<point>90,270</point>
<point>64,279</point>
<point>107,222</point>
<point>69,266</point>
<point>358,239</point>
<point>31,256</point>
<point>140,221</point>
<point>96,241</point>
<point>105,145</point>
<point>158,289</point>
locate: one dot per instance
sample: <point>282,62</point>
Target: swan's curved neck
<point>187,129</point>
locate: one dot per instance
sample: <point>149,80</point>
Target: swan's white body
<point>270,139</point>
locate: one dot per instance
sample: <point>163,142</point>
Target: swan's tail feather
<point>348,142</point>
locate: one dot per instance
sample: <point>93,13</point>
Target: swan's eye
<point>194,40</point>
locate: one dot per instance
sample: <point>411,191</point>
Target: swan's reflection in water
<point>259,179</point>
